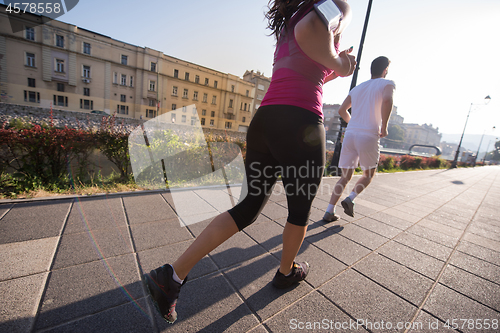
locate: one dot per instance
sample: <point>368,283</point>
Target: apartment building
<point>66,67</point>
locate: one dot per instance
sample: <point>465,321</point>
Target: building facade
<point>66,67</point>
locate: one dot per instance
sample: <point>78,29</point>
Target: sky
<point>444,53</point>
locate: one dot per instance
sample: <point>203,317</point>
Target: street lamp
<point>480,142</point>
<point>487,99</point>
<point>488,147</point>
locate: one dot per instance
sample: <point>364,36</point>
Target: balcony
<point>229,116</point>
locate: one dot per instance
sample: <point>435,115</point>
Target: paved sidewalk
<point>423,250</point>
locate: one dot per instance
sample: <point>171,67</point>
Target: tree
<point>396,133</point>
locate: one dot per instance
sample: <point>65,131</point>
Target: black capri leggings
<point>288,141</point>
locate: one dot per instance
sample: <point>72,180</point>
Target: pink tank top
<point>297,79</point>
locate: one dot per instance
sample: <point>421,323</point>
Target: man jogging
<point>371,105</point>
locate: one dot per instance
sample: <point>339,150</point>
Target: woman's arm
<point>317,42</point>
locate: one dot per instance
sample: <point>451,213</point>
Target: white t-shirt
<point>366,105</point>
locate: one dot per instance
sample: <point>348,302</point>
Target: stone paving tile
<point>253,279</point>
<point>268,234</point>
<point>235,250</point>
<point>424,245</point>
<point>400,280</point>
<point>363,237</point>
<point>147,208</point>
<point>95,213</point>
<point>476,266</point>
<point>479,252</point>
<point>420,262</point>
<point>314,313</point>
<point>477,288</point>
<point>444,229</point>
<point>392,220</point>
<point>434,236</point>
<point>447,304</point>
<point>93,287</point>
<point>129,317</point>
<point>19,302</point>
<point>365,300</point>
<point>159,233</point>
<point>485,230</point>
<point>154,258</point>
<point>201,309</point>
<point>274,211</point>
<point>368,206</point>
<point>377,227</point>
<point>37,221</point>
<point>485,242</point>
<point>76,249</point>
<point>418,212</point>
<point>449,220</point>
<point>462,215</point>
<point>26,258</point>
<point>338,246</point>
<point>402,215</point>
<point>425,323</point>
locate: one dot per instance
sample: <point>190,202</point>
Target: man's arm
<point>387,103</point>
<point>343,109</point>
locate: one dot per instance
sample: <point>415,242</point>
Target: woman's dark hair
<point>379,65</point>
<point>280,12</point>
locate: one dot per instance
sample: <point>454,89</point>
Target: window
<point>123,98</point>
<point>215,84</point>
<point>195,96</point>
<point>260,87</point>
<point>59,65</point>
<point>183,118</point>
<point>86,48</point>
<point>153,67</point>
<point>230,103</point>
<point>152,102</point>
<point>211,122</point>
<point>59,40</point>
<point>30,33</point>
<point>86,91</point>
<point>212,114</point>
<point>150,113</point>
<point>124,80</point>
<point>246,107</point>
<point>184,109</point>
<point>194,121</point>
<point>131,81</point>
<point>203,112</point>
<point>197,79</point>
<point>260,97</point>
<point>86,104</point>
<point>60,100</point>
<point>248,92</point>
<point>186,76</point>
<point>174,91</point>
<point>30,59</point>
<point>243,119</point>
<point>228,125</point>
<point>206,82</point>
<point>122,109</point>
<point>31,96</point>
<point>185,93</point>
<point>205,97</point>
<point>172,117</point>
<point>124,59</point>
<point>176,73</point>
<point>31,82</point>
<point>86,71</point>
<point>232,88</point>
<point>115,78</point>
<point>202,121</point>
<point>60,87</point>
<point>174,106</point>
<point>152,85</point>
<point>214,99</point>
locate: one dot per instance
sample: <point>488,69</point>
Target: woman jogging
<point>286,133</point>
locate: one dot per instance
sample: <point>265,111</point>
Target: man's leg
<point>362,183</point>
<point>338,189</point>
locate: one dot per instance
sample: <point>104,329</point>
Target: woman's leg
<point>217,232</point>
<point>293,236</point>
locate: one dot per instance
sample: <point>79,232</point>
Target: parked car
<point>99,112</point>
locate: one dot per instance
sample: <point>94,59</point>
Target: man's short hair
<point>379,65</point>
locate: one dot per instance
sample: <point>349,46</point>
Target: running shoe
<point>299,273</point>
<point>348,206</point>
<point>164,291</point>
<point>330,217</point>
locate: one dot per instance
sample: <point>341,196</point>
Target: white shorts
<point>360,147</point>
